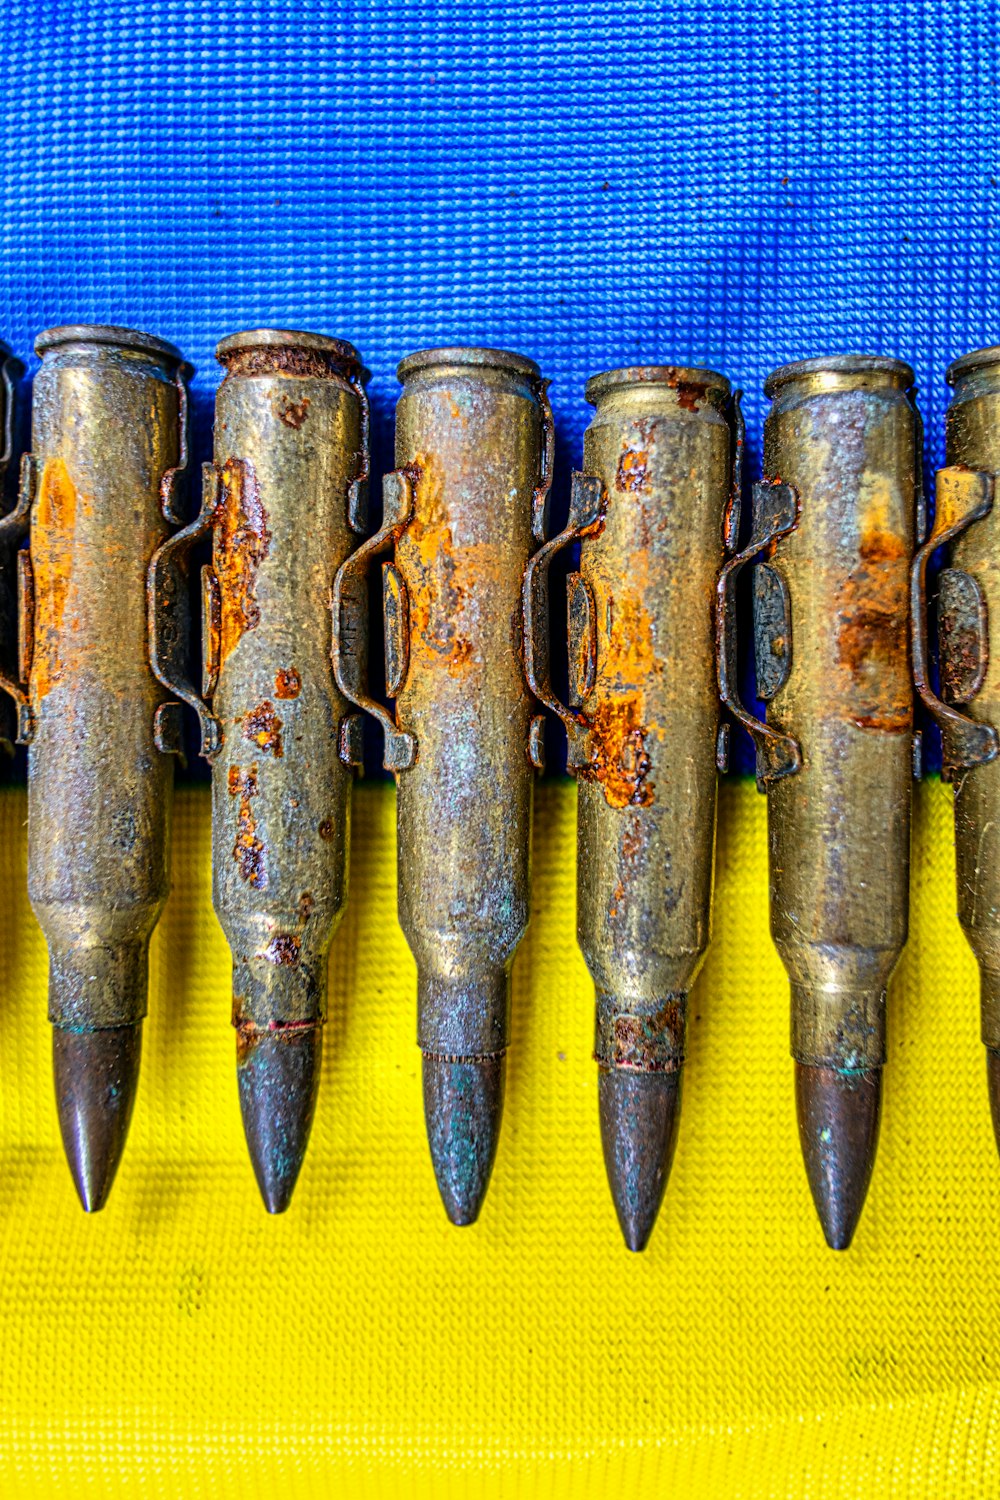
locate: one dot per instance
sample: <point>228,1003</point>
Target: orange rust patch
<point>618,756</point>
<point>284,949</point>
<point>52,562</point>
<point>242,542</point>
<point>439,578</point>
<point>632,469</point>
<point>248,850</point>
<point>262,727</point>
<point>618,727</point>
<point>293,413</point>
<point>287,683</point>
<point>873,634</point>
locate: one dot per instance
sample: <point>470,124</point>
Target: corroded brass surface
<point>660,443</point>
<point>107,434</point>
<point>831,617</point>
<point>842,433</point>
<point>973,441</point>
<point>290,442</point>
<point>472,455</point>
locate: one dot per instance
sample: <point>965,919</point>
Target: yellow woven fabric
<point>185,1342</point>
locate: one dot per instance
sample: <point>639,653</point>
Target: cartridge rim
<point>670,376</point>
<point>838,364</point>
<point>286,338</point>
<point>471,354</point>
<point>976,359</point>
<point>106,333</point>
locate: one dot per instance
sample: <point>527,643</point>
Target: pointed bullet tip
<point>639,1118</point>
<point>839,1117</point>
<point>278,1077</point>
<point>463,1108</point>
<point>96,1074</point>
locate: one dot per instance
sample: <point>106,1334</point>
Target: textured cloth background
<point>593,185</point>
<point>361,1346</point>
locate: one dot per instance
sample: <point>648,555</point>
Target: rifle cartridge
<point>966,517</point>
<point>108,453</point>
<point>836,519</point>
<point>651,511</point>
<point>473,454</point>
<point>285,495</point>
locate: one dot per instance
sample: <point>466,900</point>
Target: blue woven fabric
<point>590,184</point>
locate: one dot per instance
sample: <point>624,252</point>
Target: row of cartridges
<point>100,544</point>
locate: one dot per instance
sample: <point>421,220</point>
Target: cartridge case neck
<point>835,373</point>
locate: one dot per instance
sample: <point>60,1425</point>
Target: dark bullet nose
<point>278,1076</point>
<point>463,1108</point>
<point>839,1117</point>
<point>639,1117</point>
<point>96,1074</point>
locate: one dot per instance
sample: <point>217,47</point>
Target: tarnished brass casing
<point>831,625</point>
<point>108,419</point>
<point>652,511</point>
<point>642,653</point>
<point>968,650</point>
<point>472,452</point>
<point>968,709</point>
<point>290,465</point>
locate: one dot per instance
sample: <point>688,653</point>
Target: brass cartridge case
<point>659,458</point>
<point>968,709</point>
<point>472,452</point>
<point>831,626</point>
<point>290,465</point>
<point>107,448</point>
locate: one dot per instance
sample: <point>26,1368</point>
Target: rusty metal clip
<point>13,528</point>
<point>775,512</point>
<point>540,499</point>
<point>349,607</point>
<point>963,496</point>
<point>587,508</point>
<point>169,615</point>
<point>357,493</point>
<point>734,505</point>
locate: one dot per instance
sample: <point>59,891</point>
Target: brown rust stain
<point>52,539</point>
<point>440,577</point>
<point>630,845</point>
<point>262,727</point>
<point>242,542</point>
<point>293,413</point>
<point>287,683</point>
<point>690,393</point>
<point>288,360</point>
<point>248,850</point>
<point>872,640</point>
<point>636,1037</point>
<point>326,830</point>
<point>306,903</point>
<point>619,728</point>
<point>284,949</point>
